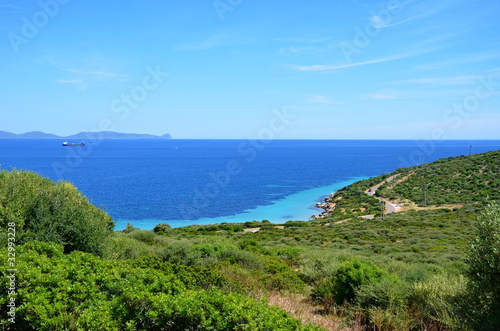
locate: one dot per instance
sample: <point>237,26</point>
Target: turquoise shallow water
<point>296,206</point>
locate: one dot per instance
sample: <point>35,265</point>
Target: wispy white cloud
<point>329,67</point>
<point>78,83</point>
<point>408,11</point>
<point>298,46</point>
<point>90,74</point>
<point>298,40</point>
<point>82,79</point>
<point>430,45</point>
<point>388,94</point>
<point>322,99</point>
<point>384,95</point>
<point>455,80</point>
<point>8,8</point>
<point>295,50</point>
<point>207,43</point>
<point>379,22</point>
<point>102,74</point>
<point>69,81</point>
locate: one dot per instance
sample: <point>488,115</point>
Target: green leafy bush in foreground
<point>52,212</point>
<point>82,291</point>
<point>483,304</point>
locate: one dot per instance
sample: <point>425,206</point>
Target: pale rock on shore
<point>328,206</point>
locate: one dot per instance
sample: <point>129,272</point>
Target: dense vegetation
<point>82,291</point>
<point>54,212</point>
<point>425,268</point>
<point>455,181</point>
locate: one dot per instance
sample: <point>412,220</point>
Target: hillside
<point>415,269</point>
<point>457,180</point>
<point>81,135</point>
<point>451,182</point>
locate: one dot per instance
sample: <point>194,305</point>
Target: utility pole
<point>382,209</point>
<point>424,198</point>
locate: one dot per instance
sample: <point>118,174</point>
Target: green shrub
<point>349,277</point>
<point>296,224</point>
<point>162,227</point>
<point>180,252</point>
<point>484,272</point>
<point>388,292</point>
<point>203,310</point>
<point>280,277</point>
<point>80,291</point>
<point>145,236</point>
<point>249,244</point>
<point>214,250</point>
<point>436,300</point>
<point>385,304</point>
<point>122,247</point>
<point>390,319</point>
<point>291,254</point>
<point>238,228</point>
<point>317,265</point>
<point>243,258</point>
<point>51,212</point>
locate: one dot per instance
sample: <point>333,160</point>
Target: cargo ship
<point>72,144</point>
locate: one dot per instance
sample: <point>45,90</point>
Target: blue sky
<point>225,68</point>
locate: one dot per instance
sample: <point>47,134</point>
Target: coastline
<point>299,206</point>
<point>327,207</point>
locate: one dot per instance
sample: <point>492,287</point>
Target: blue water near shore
<point>296,206</point>
<point>183,182</point>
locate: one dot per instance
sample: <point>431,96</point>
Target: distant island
<point>81,135</point>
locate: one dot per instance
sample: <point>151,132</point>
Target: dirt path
<point>300,307</point>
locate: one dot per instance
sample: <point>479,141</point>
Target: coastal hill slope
<point>81,135</point>
<point>445,183</point>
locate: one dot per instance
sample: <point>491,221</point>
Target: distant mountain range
<point>81,135</point>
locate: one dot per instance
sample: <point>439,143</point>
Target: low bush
<point>387,293</point>
<point>180,252</point>
<point>349,277</point>
<point>315,266</point>
<point>164,228</point>
<point>122,247</point>
<point>145,236</point>
<point>436,300</point>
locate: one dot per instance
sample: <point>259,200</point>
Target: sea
<point>185,182</point>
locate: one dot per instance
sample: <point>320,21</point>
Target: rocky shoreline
<point>328,206</point>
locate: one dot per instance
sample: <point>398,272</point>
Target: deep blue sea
<point>183,182</point>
